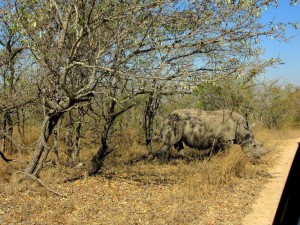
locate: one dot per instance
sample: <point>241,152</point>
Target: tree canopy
<point>79,52</point>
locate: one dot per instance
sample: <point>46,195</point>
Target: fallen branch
<point>4,158</point>
<point>72,179</point>
<point>41,183</point>
<point>10,160</point>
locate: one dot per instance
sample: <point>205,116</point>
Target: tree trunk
<point>48,125</point>
<point>69,141</point>
<point>96,163</point>
<point>151,108</point>
<point>3,127</point>
<point>21,122</point>
<point>98,159</point>
<point>78,134</point>
<point>41,164</point>
<point>56,135</point>
<point>8,129</point>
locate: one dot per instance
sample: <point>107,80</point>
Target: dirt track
<point>265,206</point>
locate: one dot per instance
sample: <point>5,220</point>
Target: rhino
<point>214,130</point>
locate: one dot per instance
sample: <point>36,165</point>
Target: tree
<point>13,99</point>
<point>296,106</point>
<point>57,34</point>
<point>234,92</point>
<point>274,104</point>
<point>117,98</point>
<point>84,47</point>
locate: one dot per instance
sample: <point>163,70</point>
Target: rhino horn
<point>269,149</point>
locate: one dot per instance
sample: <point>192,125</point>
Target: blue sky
<point>289,52</point>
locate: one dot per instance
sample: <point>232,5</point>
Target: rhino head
<point>253,149</point>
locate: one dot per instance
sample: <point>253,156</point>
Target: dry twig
<point>41,183</point>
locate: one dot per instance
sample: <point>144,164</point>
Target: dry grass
<point>32,134</point>
<point>216,191</point>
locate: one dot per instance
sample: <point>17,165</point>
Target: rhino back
<point>203,131</point>
<point>229,124</point>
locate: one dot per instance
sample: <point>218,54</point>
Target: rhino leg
<point>179,146</point>
<point>171,137</point>
<point>226,144</point>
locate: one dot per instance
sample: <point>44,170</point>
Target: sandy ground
<point>265,206</point>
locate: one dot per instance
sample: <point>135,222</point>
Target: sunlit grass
<point>135,190</point>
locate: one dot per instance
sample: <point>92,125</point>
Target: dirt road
<point>265,207</point>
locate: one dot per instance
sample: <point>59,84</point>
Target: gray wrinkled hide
<point>208,130</point>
